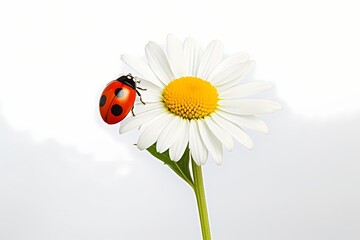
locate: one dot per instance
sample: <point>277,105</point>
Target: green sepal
<point>181,167</point>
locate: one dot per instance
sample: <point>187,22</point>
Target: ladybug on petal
<point>118,99</point>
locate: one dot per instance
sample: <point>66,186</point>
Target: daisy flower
<point>194,99</point>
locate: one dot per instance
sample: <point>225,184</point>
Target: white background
<point>66,175</point>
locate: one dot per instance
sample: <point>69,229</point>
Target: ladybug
<point>118,99</point>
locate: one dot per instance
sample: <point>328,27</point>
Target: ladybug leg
<point>132,111</point>
<point>144,89</point>
<point>140,96</point>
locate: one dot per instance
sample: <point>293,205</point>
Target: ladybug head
<point>128,80</point>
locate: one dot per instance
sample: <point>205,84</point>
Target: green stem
<point>201,201</point>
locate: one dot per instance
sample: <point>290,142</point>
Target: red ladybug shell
<point>117,99</point>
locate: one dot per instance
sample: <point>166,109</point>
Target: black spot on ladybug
<point>102,100</point>
<point>119,93</point>
<point>116,110</point>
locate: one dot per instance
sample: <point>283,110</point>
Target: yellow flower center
<point>190,97</point>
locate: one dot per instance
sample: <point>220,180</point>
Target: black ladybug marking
<point>102,100</point>
<point>116,110</point>
<point>119,93</point>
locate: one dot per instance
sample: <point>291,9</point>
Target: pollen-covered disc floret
<point>190,97</point>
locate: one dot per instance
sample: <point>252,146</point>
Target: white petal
<point>230,62</point>
<point>142,68</point>
<point>226,86</point>
<point>152,131</point>
<point>220,134</point>
<point>176,56</point>
<point>233,73</point>
<point>147,97</point>
<point>149,92</point>
<point>141,108</point>
<point>246,89</point>
<point>182,139</point>
<point>140,117</point>
<point>251,122</point>
<point>197,149</point>
<point>158,62</point>
<point>193,54</point>
<point>212,57</point>
<point>167,136</point>
<point>234,130</point>
<point>249,106</point>
<point>212,144</point>
<point>148,85</point>
<point>131,122</point>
